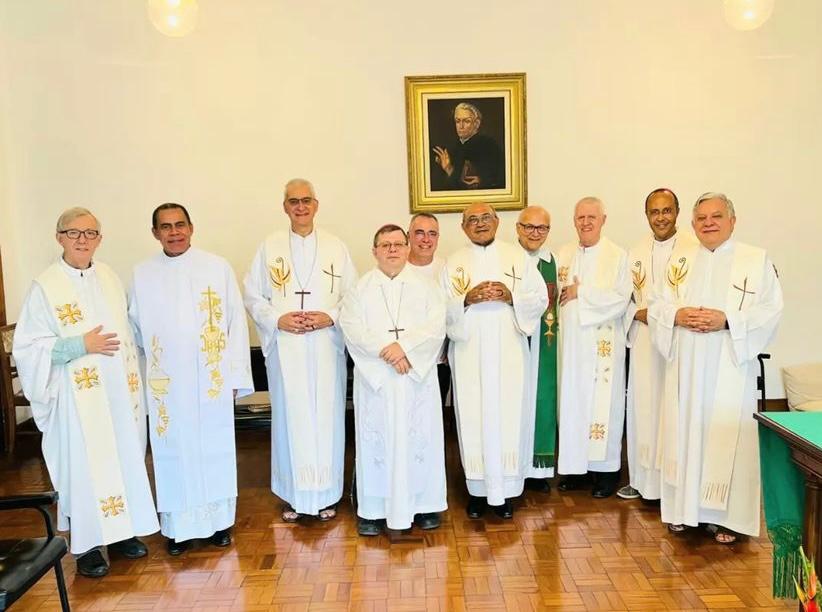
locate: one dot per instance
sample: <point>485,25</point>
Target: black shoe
<point>505,511</point>
<point>368,527</point>
<point>476,507</point>
<point>175,548</point>
<point>92,564</point>
<point>574,482</point>
<point>428,520</point>
<point>130,549</point>
<point>540,485</point>
<point>605,484</point>
<point>221,538</point>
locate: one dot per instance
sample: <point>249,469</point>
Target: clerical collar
<point>484,246</point>
<point>467,139</point>
<point>666,241</point>
<point>71,270</point>
<point>390,278</point>
<point>181,257</point>
<point>725,246</point>
<point>312,234</point>
<point>589,248</point>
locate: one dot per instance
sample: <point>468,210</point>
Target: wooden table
<point>808,458</point>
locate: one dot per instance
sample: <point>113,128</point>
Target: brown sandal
<point>677,527</point>
<point>722,535</point>
<point>326,514</point>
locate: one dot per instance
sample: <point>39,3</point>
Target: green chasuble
<point>545,433</point>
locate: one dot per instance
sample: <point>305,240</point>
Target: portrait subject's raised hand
<point>442,157</point>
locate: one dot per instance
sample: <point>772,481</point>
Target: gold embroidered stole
<point>88,387</point>
<point>607,270</point>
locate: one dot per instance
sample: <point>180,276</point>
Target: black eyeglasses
<point>530,229</point>
<point>74,234</point>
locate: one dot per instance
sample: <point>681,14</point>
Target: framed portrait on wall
<point>466,141</point>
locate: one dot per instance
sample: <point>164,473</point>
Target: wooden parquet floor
<point>560,552</point>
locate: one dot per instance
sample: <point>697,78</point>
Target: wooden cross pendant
<point>396,331</point>
<point>302,295</point>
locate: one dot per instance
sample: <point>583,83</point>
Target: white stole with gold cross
<point>89,389</point>
<point>607,271</point>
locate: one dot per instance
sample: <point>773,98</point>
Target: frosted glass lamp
<point>747,14</point>
<point>173,17</point>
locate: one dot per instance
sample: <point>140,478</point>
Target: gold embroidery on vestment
<point>460,282</point>
<point>280,274</point>
<point>69,314</point>
<point>112,506</point>
<point>86,378</point>
<point>214,341</point>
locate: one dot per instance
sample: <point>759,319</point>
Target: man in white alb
<point>649,260</point>
<point>424,238</point>
<point>596,287</point>
<point>188,314</point>
<point>495,300</point>
<point>78,366</point>
<point>394,325</point>
<point>533,226</point>
<point>721,306</point>
<point>293,293</point>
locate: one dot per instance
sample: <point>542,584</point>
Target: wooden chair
<point>23,561</point>
<point>9,398</point>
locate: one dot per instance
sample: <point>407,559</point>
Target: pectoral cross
<point>332,275</point>
<point>744,290</point>
<point>396,331</point>
<point>514,276</point>
<point>302,295</point>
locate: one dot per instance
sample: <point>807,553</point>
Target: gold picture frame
<point>466,141</point>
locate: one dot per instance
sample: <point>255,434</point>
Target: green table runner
<point>783,492</point>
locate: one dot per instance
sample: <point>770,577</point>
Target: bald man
<point>495,300</point>
<point>596,286</point>
<point>533,226</point>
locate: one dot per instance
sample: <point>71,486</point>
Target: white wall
<point>623,96</point>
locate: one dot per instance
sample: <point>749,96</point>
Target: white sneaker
<point>628,492</point>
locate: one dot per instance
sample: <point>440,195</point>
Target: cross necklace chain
<point>302,292</point>
<point>395,320</point>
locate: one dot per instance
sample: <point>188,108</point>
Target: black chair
<point>24,561</point>
<point>760,381</point>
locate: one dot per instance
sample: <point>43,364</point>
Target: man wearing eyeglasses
<point>649,261</point>
<point>496,297</point>
<point>533,226</point>
<point>293,293</point>
<point>78,366</point>
<point>596,286</point>
<point>394,325</point>
<point>424,237</point>
<point>188,313</point>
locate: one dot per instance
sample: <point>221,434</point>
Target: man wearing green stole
<point>533,226</point>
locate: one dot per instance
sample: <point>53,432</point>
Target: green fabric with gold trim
<point>545,427</point>
<point>783,494</point>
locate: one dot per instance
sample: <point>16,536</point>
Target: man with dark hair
<point>649,261</point>
<point>394,325</point>
<point>473,161</point>
<point>188,313</point>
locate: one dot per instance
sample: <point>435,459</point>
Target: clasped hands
<point>394,356</point>
<point>700,319</point>
<point>304,321</point>
<point>489,291</point>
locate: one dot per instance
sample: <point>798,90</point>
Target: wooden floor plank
<point>560,552</point>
